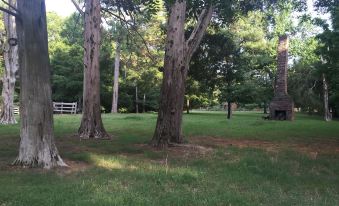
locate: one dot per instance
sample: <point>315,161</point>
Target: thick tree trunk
<point>177,57</point>
<point>229,110</point>
<point>116,79</point>
<point>11,67</point>
<point>327,114</point>
<point>91,123</point>
<point>168,128</point>
<point>37,147</point>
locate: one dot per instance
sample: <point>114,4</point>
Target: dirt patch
<point>310,149</point>
<point>180,150</point>
<point>73,167</point>
<point>203,146</point>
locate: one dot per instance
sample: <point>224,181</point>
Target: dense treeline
<point>234,63</point>
<point>240,65</point>
<point>139,65</point>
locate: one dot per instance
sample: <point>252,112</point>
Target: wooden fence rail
<point>62,108</point>
<point>16,110</point>
<point>58,107</point>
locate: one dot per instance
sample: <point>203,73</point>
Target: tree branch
<point>9,5</point>
<point>78,7</point>
<point>10,12</point>
<point>133,28</point>
<point>196,36</point>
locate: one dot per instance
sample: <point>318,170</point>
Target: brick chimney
<point>281,82</point>
<point>282,105</point>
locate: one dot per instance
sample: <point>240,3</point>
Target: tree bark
<point>144,104</point>
<point>178,53</point>
<point>91,123</point>
<point>11,67</point>
<point>37,147</point>
<point>136,100</point>
<point>116,79</point>
<point>187,106</point>
<point>229,110</point>
<point>265,107</point>
<point>327,114</point>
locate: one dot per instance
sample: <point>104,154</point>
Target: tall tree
<point>327,114</point>
<point>91,122</point>
<point>116,76</point>
<point>37,147</point>
<point>178,53</point>
<point>329,51</point>
<point>11,67</point>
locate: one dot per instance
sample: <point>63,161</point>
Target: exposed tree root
<point>38,162</point>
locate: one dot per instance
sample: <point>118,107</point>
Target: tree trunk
<point>327,114</point>
<point>37,147</point>
<point>229,110</point>
<point>187,106</point>
<point>265,108</point>
<point>91,124</point>
<point>178,53</point>
<point>136,100</point>
<point>116,79</point>
<point>11,67</point>
<point>144,104</point>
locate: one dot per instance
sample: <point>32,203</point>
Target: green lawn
<point>125,171</point>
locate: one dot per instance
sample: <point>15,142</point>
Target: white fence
<point>62,108</point>
<point>58,107</point>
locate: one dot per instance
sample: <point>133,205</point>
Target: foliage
<point>236,60</point>
<point>329,51</point>
<point>139,63</point>
<point>66,59</point>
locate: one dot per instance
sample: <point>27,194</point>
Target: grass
<point>121,172</point>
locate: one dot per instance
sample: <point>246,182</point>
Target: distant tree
<point>116,76</point>
<point>328,51</point>
<point>10,53</point>
<point>118,33</point>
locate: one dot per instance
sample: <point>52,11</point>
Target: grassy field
<point>245,161</point>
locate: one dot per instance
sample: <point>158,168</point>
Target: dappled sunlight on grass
<point>142,166</point>
<point>246,162</point>
<point>110,162</point>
